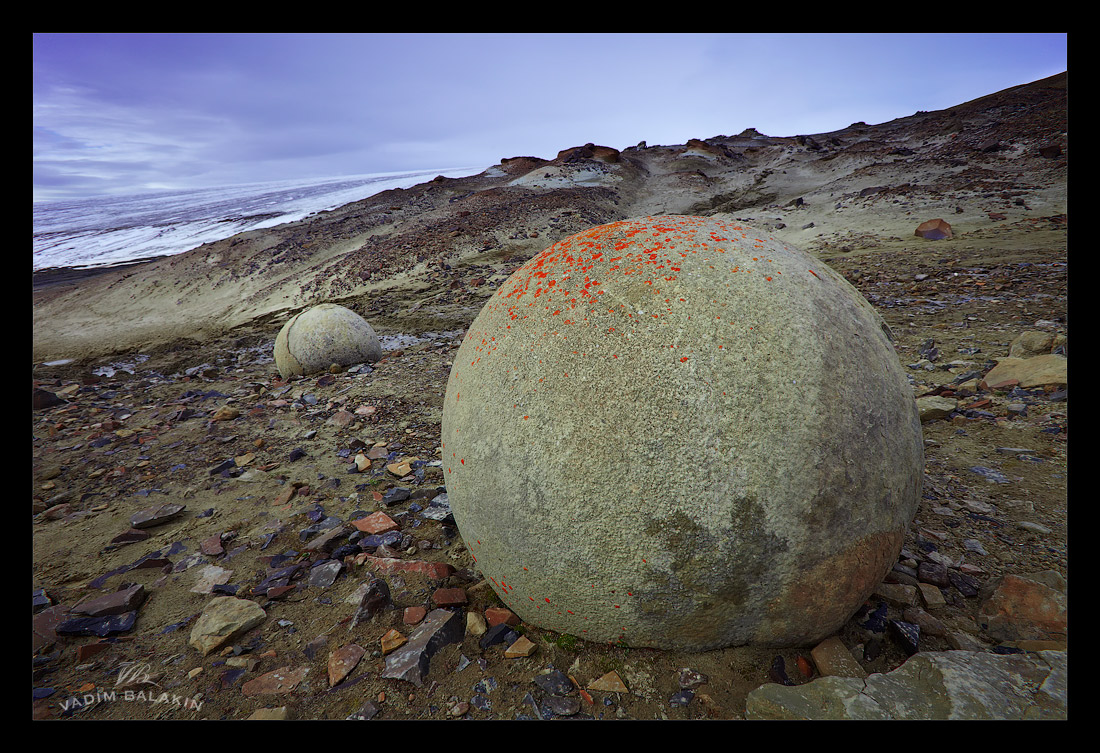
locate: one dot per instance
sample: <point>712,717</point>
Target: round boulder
<point>316,338</point>
<point>681,433</point>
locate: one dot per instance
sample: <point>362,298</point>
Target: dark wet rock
<point>375,600</point>
<point>98,626</point>
<point>324,574</point>
<point>963,583</point>
<point>561,705</point>
<point>41,599</point>
<point>684,697</point>
<point>555,683</point>
<point>411,661</point>
<point>778,672</point>
<point>907,635</point>
<point>501,633</point>
<point>876,621</point>
<point>278,578</point>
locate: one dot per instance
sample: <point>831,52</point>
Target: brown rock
<point>282,680</point>
<point>279,714</point>
<point>609,683</point>
<point>212,546</point>
<point>1031,343</point>
<point>391,640</point>
<point>130,536</point>
<point>154,516</point>
<point>449,597</point>
<point>1038,371</point>
<point>342,661</point>
<point>1022,609</point>
<point>341,419</point>
<point>934,230</point>
<point>225,413</point>
<point>401,468</point>
<point>119,602</point>
<point>223,619</point>
<point>413,615</point>
<point>88,650</point>
<point>497,615</point>
<point>522,647</point>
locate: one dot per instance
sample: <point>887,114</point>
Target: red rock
<point>1022,609</point>
<point>88,650</point>
<point>278,591</point>
<point>413,615</point>
<point>376,523</point>
<point>497,615</point>
<point>341,419</point>
<point>934,230</point>
<point>449,597</point>
<point>521,648</point>
<point>434,570</point>
<point>805,667</point>
<point>44,623</point>
<point>130,536</point>
<point>212,546</point>
<point>285,496</point>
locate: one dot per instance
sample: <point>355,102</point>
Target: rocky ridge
<point>319,500</point>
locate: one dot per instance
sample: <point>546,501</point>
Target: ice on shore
<point>109,230</point>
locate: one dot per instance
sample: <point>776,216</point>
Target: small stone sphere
<point>681,433</point>
<point>315,339</point>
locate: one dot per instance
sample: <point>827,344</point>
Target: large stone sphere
<point>678,432</point>
<point>316,338</point>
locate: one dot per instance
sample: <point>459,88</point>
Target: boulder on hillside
<point>934,230</point>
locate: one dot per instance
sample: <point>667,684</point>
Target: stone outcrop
<point>1038,371</point>
<point>957,685</point>
<point>222,620</point>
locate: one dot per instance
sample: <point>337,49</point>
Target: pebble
<point>609,683</point>
<point>690,679</point>
<point>522,647</point>
<point>391,640</point>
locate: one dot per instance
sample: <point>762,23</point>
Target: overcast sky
<point>126,113</point>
